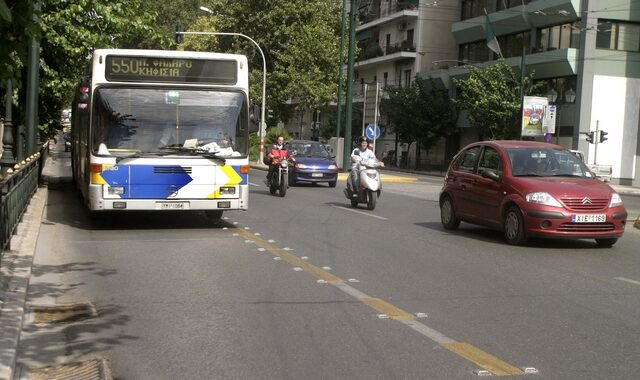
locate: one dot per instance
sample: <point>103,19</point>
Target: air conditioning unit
<point>402,26</point>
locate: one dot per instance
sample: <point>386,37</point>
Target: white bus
<point>162,130</point>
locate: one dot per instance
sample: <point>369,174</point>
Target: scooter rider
<point>276,154</point>
<point>361,153</point>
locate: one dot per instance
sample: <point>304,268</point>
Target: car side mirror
<point>488,173</point>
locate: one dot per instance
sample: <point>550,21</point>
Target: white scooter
<point>369,187</point>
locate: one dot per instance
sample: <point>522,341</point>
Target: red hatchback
<point>528,188</point>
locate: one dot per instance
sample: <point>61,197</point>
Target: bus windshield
<point>161,121</point>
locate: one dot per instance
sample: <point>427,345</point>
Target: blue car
<point>313,163</point>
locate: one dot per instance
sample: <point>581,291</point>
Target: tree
<point>420,113</point>
<point>68,32</point>
<point>492,97</point>
<point>299,39</point>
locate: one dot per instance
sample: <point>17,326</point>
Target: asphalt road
<point>307,287</point>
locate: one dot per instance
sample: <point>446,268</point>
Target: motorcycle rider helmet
<point>362,138</point>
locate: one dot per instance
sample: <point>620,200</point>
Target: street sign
<point>549,121</point>
<point>372,132</point>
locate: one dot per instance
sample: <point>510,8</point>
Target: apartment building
<point>397,39</point>
<point>587,52</point>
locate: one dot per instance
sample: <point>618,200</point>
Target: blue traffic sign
<point>372,131</point>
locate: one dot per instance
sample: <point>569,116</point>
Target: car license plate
<point>316,174</point>
<point>589,218</point>
<point>174,205</point>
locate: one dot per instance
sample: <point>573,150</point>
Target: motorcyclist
<point>275,154</point>
<point>362,153</point>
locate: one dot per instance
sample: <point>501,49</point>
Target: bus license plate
<point>174,205</point>
<point>589,218</point>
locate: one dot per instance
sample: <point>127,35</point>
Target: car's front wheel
<point>514,227</point>
<point>606,243</point>
<point>447,216</point>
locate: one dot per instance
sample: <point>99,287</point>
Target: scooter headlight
<point>284,163</point>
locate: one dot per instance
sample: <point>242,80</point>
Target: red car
<point>529,188</point>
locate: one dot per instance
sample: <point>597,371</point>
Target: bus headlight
<point>115,190</point>
<point>225,190</point>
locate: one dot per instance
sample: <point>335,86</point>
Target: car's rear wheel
<point>606,243</point>
<point>447,216</point>
<point>514,227</point>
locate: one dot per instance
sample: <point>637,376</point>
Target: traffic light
<point>177,35</point>
<point>590,137</point>
<point>603,136</point>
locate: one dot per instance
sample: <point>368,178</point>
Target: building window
<point>407,78</point>
<point>512,45</point>
<point>386,77</point>
<point>562,36</point>
<point>618,35</point>
<point>473,8</point>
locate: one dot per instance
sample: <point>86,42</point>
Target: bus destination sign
<point>170,70</point>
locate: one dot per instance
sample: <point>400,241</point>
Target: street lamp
<point>263,123</point>
<point>552,95</point>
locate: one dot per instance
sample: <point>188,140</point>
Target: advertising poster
<point>532,115</point>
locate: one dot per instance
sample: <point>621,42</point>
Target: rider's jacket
<point>364,154</point>
<point>277,154</point>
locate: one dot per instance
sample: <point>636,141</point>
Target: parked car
<point>313,163</point>
<point>529,188</point>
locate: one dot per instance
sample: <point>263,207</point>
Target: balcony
<point>536,14</point>
<point>374,54</point>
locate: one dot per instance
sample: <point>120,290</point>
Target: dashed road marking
<point>627,280</point>
<point>361,212</point>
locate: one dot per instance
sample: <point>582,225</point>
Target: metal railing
<point>17,188</point>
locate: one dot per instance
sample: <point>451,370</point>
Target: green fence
<point>16,190</point>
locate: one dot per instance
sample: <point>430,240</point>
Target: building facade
<point>588,53</point>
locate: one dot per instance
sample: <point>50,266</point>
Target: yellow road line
<point>292,259</point>
<point>483,359</point>
<point>387,308</point>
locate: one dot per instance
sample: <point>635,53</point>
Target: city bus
<point>162,130</point>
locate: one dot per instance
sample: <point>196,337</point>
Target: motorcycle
<point>369,187</point>
<point>279,181</point>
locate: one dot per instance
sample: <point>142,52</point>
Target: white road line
<point>627,280</point>
<point>362,212</point>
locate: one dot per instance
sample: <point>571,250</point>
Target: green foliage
<point>68,32</point>
<point>269,139</point>
<point>492,97</point>
<point>421,113</point>
<point>300,42</point>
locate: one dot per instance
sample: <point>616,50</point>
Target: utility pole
<point>7,160</point>
<point>364,108</point>
<point>349,102</point>
<point>340,76</point>
<point>31,108</point>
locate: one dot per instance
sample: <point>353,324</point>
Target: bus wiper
<point>134,155</point>
<point>206,154</point>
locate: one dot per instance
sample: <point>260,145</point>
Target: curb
<point>15,271</point>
